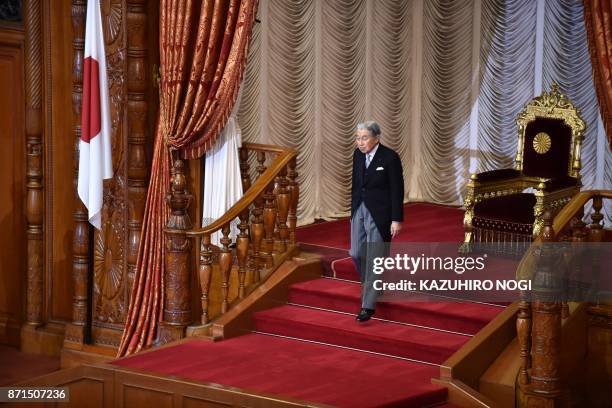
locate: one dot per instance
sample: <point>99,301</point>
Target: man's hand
<point>396,227</point>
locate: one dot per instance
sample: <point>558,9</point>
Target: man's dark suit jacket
<point>381,187</point>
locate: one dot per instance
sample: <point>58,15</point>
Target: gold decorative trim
<point>553,105</point>
<point>542,143</point>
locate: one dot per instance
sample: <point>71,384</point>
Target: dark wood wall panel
<point>142,396</point>
<point>60,161</point>
<point>12,186</point>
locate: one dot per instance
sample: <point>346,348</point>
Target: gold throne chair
<point>498,209</point>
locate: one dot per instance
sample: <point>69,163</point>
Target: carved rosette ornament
<point>108,274</point>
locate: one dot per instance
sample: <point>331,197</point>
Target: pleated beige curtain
<point>444,78</point>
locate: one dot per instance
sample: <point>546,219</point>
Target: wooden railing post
<point>177,307</point>
<point>257,233</point>
<point>242,250</point>
<point>283,200</point>
<point>294,194</point>
<point>523,330</point>
<point>244,168</point>
<point>257,224</point>
<point>225,263</point>
<point>205,276</point>
<point>596,231</point>
<point>269,219</point>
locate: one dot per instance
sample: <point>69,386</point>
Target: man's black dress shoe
<point>365,315</point>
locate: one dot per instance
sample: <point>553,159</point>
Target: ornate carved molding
<point>554,105</point>
<point>110,296</point>
<point>137,134</point>
<point>80,260</point>
<point>177,299</point>
<point>34,159</point>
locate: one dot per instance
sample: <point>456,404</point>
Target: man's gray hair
<point>371,126</point>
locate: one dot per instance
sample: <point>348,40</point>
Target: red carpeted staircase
<point>313,349</point>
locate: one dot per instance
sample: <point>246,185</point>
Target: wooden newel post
<point>545,386</point>
<point>177,299</point>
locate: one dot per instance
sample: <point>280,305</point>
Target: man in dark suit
<point>376,207</point>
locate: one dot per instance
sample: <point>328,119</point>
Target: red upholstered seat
<point>517,208</point>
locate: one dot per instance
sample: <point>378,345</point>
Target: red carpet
<point>462,317</point>
<point>305,371</point>
<point>423,222</point>
<point>375,335</point>
<point>324,355</point>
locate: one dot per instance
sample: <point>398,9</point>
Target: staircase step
<point>295,369</point>
<point>340,329</point>
<point>343,296</point>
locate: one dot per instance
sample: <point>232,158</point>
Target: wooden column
<point>177,305</point>
<point>137,108</point>
<point>34,148</point>
<point>80,258</point>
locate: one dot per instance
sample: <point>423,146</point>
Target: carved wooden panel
<point>110,295</point>
<point>12,186</point>
<point>116,245</point>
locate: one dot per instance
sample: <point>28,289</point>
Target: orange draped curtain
<point>203,48</point>
<point>598,21</point>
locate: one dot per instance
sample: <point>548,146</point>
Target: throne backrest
<point>550,133</point>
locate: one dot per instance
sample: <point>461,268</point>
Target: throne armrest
<point>496,175</point>
<point>559,183</point>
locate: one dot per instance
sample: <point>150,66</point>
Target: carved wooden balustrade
<point>541,376</point>
<point>267,218</point>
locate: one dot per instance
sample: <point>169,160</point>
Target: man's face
<point>365,140</point>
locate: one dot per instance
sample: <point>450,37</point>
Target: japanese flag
<point>95,157</point>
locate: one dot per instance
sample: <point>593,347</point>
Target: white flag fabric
<point>95,156</point>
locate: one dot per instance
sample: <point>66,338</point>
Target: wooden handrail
<point>541,314</point>
<point>284,156</point>
<point>259,147</point>
<point>267,214</point>
<point>577,202</point>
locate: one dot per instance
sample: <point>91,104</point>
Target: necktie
<point>368,160</point>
